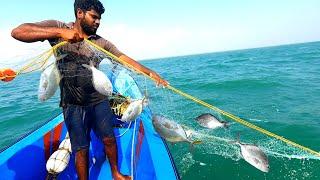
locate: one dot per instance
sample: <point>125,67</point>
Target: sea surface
<point>275,88</point>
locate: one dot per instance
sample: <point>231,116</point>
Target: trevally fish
<point>210,121</point>
<point>133,110</point>
<point>170,130</point>
<point>254,156</point>
<point>100,81</point>
<point>49,82</point>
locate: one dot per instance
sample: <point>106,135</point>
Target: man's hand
<point>70,35</point>
<point>31,32</point>
<point>158,79</point>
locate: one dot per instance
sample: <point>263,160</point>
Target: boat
<point>142,153</point>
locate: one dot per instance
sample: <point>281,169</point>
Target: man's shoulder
<point>100,40</point>
<point>55,23</point>
<point>107,45</point>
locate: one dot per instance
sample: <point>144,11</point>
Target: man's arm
<point>139,67</point>
<point>30,32</point>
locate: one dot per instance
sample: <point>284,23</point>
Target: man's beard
<point>87,29</point>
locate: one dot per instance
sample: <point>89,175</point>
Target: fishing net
<point>171,103</point>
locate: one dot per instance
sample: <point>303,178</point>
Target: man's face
<point>90,22</point>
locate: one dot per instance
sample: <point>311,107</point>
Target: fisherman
<point>83,107</point>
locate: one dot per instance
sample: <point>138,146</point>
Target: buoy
<point>58,161</point>
<point>66,144</point>
<point>7,75</point>
<point>1,75</point>
<point>67,136</point>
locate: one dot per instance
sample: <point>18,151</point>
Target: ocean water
<point>276,88</point>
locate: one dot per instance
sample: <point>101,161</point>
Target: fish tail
<point>237,141</point>
<point>225,124</point>
<point>238,137</point>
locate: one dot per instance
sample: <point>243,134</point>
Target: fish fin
<point>204,114</point>
<point>208,114</point>
<point>192,143</point>
<point>86,66</point>
<point>196,142</point>
<point>187,131</point>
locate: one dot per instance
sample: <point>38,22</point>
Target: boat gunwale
<point>176,172</point>
<point>30,132</point>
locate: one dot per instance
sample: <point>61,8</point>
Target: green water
<point>276,88</point>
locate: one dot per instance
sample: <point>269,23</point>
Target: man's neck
<point>79,29</point>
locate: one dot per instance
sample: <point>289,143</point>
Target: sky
<point>148,29</point>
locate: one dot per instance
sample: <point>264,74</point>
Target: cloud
<point>149,42</point>
<point>137,42</point>
<point>145,42</point>
<point>13,52</point>
<point>152,42</point>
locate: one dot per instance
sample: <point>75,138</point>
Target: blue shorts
<point>81,119</point>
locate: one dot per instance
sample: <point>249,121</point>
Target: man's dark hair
<point>87,5</point>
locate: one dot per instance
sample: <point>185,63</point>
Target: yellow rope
<point>235,118</point>
<point>243,122</point>
<point>117,59</point>
<point>46,56</point>
<point>231,116</point>
<point>33,61</point>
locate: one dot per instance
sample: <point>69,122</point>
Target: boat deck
<point>26,159</point>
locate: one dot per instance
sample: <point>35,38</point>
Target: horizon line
<point>230,50</point>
